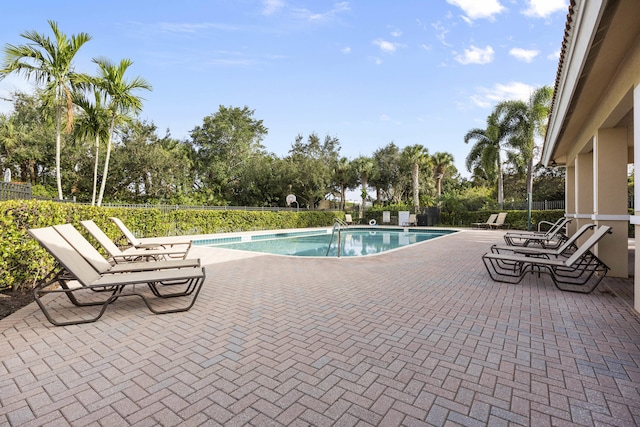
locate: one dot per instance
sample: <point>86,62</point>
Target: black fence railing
<point>542,205</point>
<point>11,191</point>
<point>170,208</point>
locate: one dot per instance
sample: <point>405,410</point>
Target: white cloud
<point>441,33</point>
<point>554,56</point>
<point>488,97</point>
<point>526,55</point>
<point>172,27</point>
<point>477,9</point>
<point>387,119</point>
<point>271,6</point>
<point>396,33</point>
<point>476,55</point>
<point>323,16</point>
<point>346,50</point>
<point>385,46</point>
<point>544,8</point>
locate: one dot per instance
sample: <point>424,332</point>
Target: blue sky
<point>368,72</point>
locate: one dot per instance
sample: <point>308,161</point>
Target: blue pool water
<point>353,241</point>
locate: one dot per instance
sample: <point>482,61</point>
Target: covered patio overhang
<point>591,128</point>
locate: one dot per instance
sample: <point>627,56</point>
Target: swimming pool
<point>323,242</point>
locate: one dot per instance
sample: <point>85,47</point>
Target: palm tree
<point>486,152</point>
<point>93,122</point>
<point>49,62</point>
<point>118,93</point>
<point>441,161</point>
<point>417,155</point>
<point>343,178</point>
<point>363,166</point>
<point>525,121</point>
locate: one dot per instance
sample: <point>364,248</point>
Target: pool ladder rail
<point>338,225</point>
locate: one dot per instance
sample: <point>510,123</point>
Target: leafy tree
<point>12,135</point>
<point>313,162</point>
<point>387,176</point>
<point>150,168</point>
<point>548,183</point>
<point>418,156</point>
<point>226,143</point>
<point>120,100</point>
<point>23,136</point>
<point>265,182</point>
<point>49,62</point>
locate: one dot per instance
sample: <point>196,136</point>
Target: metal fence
<point>170,208</point>
<point>543,205</point>
<point>10,191</point>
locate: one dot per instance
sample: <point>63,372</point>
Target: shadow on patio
<point>419,336</point>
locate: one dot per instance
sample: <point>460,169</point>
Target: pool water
<point>353,241</point>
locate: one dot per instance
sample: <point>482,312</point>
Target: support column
<point>570,196</point>
<point>584,191</point>
<point>636,196</point>
<point>610,198</point>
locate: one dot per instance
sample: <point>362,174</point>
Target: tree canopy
<point>223,162</point>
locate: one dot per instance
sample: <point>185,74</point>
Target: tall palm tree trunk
<point>106,162</point>
<point>58,149</point>
<point>363,194</point>
<point>500,185</point>
<point>95,172</point>
<point>416,189</point>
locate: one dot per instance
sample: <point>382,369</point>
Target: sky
<point>368,72</point>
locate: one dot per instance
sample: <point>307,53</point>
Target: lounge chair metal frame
<point>75,275</point>
<point>552,239</point>
<point>500,221</point>
<point>582,272</point>
<point>132,254</point>
<point>139,244</point>
<point>491,220</point>
<point>101,265</point>
<point>565,250</point>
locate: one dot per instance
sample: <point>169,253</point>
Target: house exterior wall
<point>595,123</point>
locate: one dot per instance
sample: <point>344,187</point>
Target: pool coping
<point>232,236</point>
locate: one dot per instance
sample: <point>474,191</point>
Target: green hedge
<point>23,262</point>
<point>515,219</point>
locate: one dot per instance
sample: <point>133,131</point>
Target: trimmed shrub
<point>23,262</point>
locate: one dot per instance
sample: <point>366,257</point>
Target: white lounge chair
<point>566,249</point>
<point>581,272</point>
<point>553,238</point>
<point>76,276</point>
<point>487,223</point>
<point>147,244</point>
<point>500,221</point>
<point>119,255</point>
<point>102,265</point>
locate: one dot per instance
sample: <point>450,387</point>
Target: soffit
<point>616,33</point>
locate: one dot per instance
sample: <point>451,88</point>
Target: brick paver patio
<point>419,336</point>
